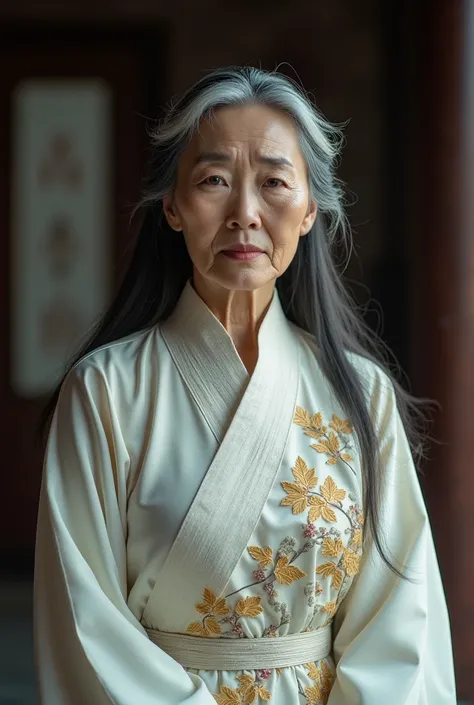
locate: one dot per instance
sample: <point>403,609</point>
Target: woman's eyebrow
<point>275,161</point>
<point>223,157</point>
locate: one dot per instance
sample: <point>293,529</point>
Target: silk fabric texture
<point>150,517</point>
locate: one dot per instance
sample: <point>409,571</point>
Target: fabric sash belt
<point>244,654</point>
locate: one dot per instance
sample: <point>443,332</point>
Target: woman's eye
<point>273,183</point>
<point>213,180</point>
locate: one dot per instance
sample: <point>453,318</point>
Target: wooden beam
<point>444,300</point>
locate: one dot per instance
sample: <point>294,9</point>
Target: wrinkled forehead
<point>254,129</point>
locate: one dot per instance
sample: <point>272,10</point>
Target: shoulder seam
<point>113,343</point>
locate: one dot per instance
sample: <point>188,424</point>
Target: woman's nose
<point>244,213</point>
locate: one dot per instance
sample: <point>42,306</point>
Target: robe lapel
<point>206,357</point>
<point>228,504</point>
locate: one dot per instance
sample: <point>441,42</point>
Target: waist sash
<point>244,654</point>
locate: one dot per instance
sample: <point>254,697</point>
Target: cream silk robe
<point>183,496</point>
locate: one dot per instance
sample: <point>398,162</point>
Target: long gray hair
<point>311,290</point>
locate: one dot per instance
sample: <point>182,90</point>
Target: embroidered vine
<point>279,569</point>
<point>303,494</point>
<point>334,442</point>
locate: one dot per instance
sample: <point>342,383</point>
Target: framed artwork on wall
<point>60,224</point>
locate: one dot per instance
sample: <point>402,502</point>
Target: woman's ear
<point>171,215</point>
<point>309,219</point>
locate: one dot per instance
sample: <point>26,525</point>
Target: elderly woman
<point>230,511</point>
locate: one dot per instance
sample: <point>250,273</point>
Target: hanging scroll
<point>61,222</point>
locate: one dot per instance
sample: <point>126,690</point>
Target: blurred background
<point>78,82</point>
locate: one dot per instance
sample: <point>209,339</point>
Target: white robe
<point>138,425</point>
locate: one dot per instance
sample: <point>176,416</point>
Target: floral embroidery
<point>263,555</point>
<point>329,570</point>
<point>249,607</point>
<point>285,574</point>
<point>249,690</point>
<point>323,679</point>
<point>323,501</point>
<point>212,607</point>
<point>300,494</point>
<point>282,571</point>
<point>332,443</point>
<point>252,687</point>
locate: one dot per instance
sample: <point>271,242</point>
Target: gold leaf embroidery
<point>351,562</point>
<point>246,682</point>
<point>263,555</point>
<point>357,538</point>
<point>321,447</point>
<point>330,445</point>
<point>319,692</point>
<point>320,508</point>
<point>330,608</point>
<point>220,607</point>
<point>304,476</point>
<point>263,693</point>
<point>330,491</point>
<point>246,688</point>
<point>249,697</point>
<point>205,607</point>
<point>301,417</point>
<point>249,690</point>
<point>196,628</point>
<point>329,570</point>
<point>227,696</point>
<point>209,627</point>
<point>332,547</point>
<point>296,497</point>
<point>317,420</point>
<point>249,607</point>
<point>326,569</point>
<point>313,694</point>
<point>286,574</point>
<point>211,604</point>
<point>340,425</point>
<point>313,671</point>
<point>337,579</point>
<point>327,680</point>
<point>312,425</point>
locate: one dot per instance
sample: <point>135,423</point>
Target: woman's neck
<point>240,312</point>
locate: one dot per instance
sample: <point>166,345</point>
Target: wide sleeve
<point>392,636</point>
<point>89,646</point>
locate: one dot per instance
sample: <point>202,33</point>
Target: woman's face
<point>241,197</point>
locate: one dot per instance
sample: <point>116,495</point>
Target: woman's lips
<point>242,254</point>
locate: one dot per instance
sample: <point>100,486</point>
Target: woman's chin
<point>244,278</point>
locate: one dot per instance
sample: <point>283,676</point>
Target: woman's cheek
<point>278,256</point>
